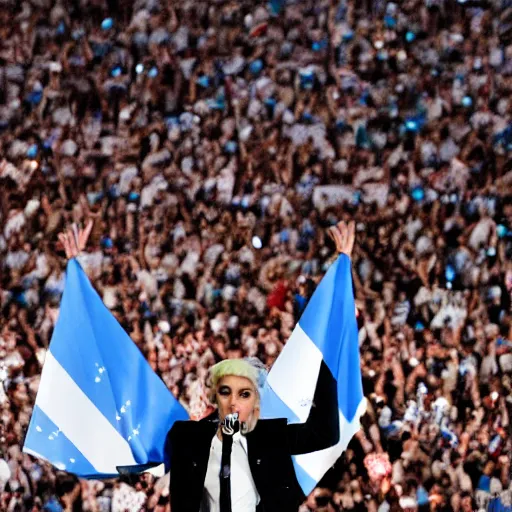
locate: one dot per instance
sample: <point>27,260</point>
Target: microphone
<point>230,426</point>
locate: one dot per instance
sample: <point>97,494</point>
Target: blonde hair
<point>235,367</point>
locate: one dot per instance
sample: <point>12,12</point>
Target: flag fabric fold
<point>99,404</point>
<point>327,331</point>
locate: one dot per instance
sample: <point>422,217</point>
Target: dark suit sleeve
<point>167,451</point>
<point>322,428</point>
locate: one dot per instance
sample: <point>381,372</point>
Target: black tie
<point>225,473</point>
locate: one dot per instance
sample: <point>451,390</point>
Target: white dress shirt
<point>244,496</point>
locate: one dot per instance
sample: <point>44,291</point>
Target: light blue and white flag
<point>99,403</point>
<point>327,331</point>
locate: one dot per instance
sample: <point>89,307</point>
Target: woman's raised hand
<point>75,239</point>
<point>343,235</point>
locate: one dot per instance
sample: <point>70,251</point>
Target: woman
<point>232,461</point>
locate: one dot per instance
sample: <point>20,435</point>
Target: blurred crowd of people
<point>213,142</point>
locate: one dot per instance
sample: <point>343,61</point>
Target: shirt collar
<point>239,438</point>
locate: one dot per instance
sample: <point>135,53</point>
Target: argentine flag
<point>99,403</point>
<point>327,331</point>
<point>100,406</point>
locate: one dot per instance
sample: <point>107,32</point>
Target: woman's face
<point>236,394</point>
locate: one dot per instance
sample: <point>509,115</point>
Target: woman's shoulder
<point>179,425</point>
<point>191,427</point>
<point>272,421</point>
<point>265,426</point>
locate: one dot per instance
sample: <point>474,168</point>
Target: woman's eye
<point>224,392</point>
<point>245,394</point>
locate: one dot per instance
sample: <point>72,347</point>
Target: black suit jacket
<point>270,448</point>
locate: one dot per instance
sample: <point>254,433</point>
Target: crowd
<point>213,142</point>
